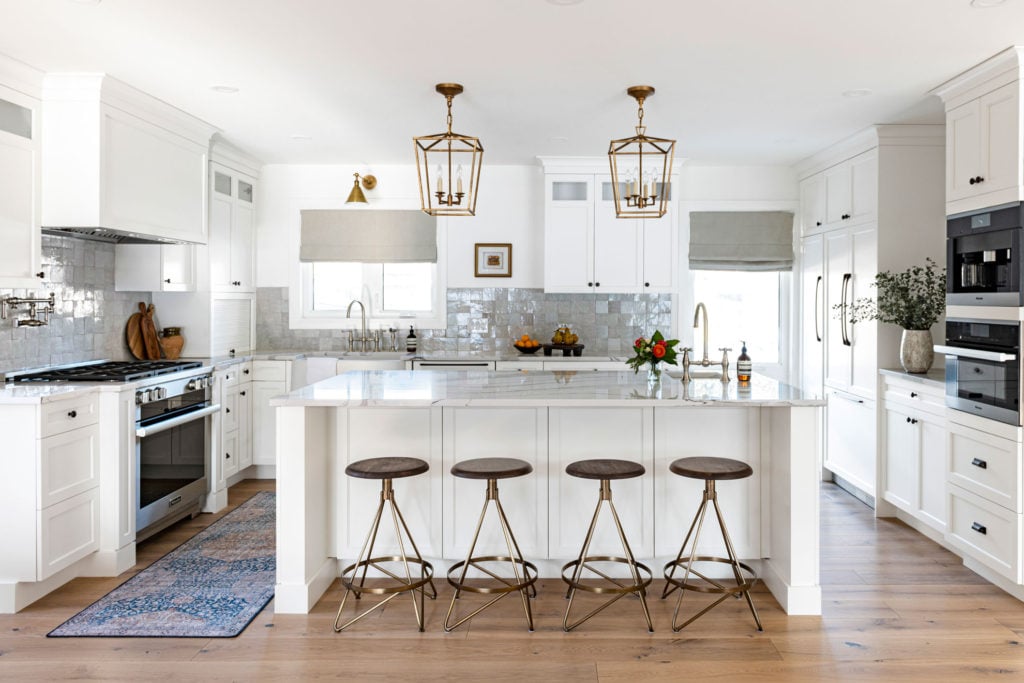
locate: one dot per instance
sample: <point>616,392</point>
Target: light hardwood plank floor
<point>896,606</point>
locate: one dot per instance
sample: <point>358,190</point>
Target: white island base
<point>549,420</point>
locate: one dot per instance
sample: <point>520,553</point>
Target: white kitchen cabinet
<point>50,490</point>
<point>20,194</point>
<point>270,378</point>
<point>154,268</point>
<point>888,180</point>
<point>495,433</point>
<point>984,152</point>
<point>914,461</point>
<point>244,424</point>
<point>588,249</point>
<point>584,433</point>
<point>114,157</point>
<point>233,390</point>
<point>232,230</point>
<point>850,448</point>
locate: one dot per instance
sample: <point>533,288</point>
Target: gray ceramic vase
<point>916,352</point>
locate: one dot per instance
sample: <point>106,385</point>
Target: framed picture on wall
<point>493,260</point>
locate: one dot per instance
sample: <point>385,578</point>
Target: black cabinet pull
<point>73,414</point>
<point>590,284</point>
<point>913,394</point>
<point>978,462</point>
<point>597,284</point>
<point>241,393</point>
<point>817,224</point>
<point>40,275</point>
<point>908,420</point>
<point>227,410</point>
<point>980,528</point>
<point>913,421</point>
<point>972,181</point>
<point>168,280</point>
<point>980,179</point>
<point>845,216</point>
<point>227,456</point>
<point>647,284</point>
<point>245,372</point>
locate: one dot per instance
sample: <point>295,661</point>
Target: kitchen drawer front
<point>985,465</point>
<point>68,531</point>
<point>229,377</point>
<point>987,532</point>
<point>270,371</point>
<point>68,465</point>
<point>63,416</point>
<point>229,410</point>
<point>914,394</point>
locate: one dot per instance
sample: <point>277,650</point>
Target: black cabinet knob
<point>971,181</point>
<point>647,284</point>
<point>590,284</point>
<point>227,456</point>
<point>227,410</point>
<point>73,414</point>
<point>40,275</point>
<point>908,420</point>
<point>241,393</point>
<point>817,224</point>
<point>913,421</point>
<point>245,372</point>
<point>168,280</point>
<point>597,284</point>
<point>981,179</point>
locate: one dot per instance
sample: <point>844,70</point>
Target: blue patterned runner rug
<point>211,586</point>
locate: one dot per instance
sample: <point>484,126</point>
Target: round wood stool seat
<point>711,468</point>
<point>605,469</point>
<point>491,468</point>
<point>386,468</point>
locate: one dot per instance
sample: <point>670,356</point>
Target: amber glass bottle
<point>743,364</point>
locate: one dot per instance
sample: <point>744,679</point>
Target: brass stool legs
<point>743,585</point>
<point>365,560</point>
<point>639,582</point>
<point>523,583</point>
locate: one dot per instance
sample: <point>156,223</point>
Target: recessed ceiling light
<point>982,4</point>
<point>300,136</point>
<point>226,89</point>
<point>564,3</point>
<point>857,92</point>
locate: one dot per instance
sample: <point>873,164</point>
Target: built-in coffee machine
<point>984,258</point>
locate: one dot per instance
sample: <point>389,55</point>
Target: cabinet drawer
<point>68,465</point>
<point>914,394</point>
<point>985,465</point>
<point>270,371</point>
<point>229,377</point>
<point>61,416</point>
<point>68,531</point>
<point>229,411</point>
<point>989,533</point>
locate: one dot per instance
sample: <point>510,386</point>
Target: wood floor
<point>896,606</point>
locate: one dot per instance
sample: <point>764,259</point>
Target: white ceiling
<point>738,81</point>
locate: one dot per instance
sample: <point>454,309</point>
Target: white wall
<point>510,209</point>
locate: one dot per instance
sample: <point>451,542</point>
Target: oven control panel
<point>171,389</point>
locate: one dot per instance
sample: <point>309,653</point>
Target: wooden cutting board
<point>133,334</point>
<point>149,335</point>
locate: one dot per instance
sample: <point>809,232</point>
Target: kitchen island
<point>548,419</point>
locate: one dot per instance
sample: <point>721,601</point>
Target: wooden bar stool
<point>525,573</point>
<point>710,470</point>
<point>387,469</point>
<point>605,470</point>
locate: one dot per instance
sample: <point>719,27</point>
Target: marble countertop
<point>11,394</point>
<point>934,377</point>
<point>477,388</point>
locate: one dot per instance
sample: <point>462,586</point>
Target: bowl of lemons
<point>527,344</point>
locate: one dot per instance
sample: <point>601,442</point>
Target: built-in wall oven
<point>983,257</point>
<point>172,450</point>
<point>983,367</point>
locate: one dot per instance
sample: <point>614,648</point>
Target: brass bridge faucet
<point>704,362</point>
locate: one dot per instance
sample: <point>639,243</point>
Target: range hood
<point>120,166</point>
<point>107,235</point>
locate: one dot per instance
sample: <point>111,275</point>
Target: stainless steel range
<point>173,439</point>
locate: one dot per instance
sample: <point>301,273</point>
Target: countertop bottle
<point>744,365</point>
<point>410,341</point>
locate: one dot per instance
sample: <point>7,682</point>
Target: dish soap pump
<point>743,364</point>
<point>410,341</point>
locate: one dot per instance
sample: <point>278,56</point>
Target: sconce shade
<point>356,195</point>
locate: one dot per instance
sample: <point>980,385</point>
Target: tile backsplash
<point>607,324</point>
<point>90,316</point>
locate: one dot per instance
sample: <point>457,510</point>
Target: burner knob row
<point>148,395</point>
<point>199,383</point>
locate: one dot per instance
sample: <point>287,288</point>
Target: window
<point>744,305</point>
<point>388,290</point>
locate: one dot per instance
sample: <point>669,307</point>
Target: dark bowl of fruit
<point>526,344</point>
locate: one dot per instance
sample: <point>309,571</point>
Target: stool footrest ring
<point>746,585</point>
<point>529,575</point>
<point>642,570</point>
<point>426,575</point>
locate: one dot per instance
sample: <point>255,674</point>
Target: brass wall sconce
<point>448,166</point>
<point>641,166</point>
<point>356,195</point>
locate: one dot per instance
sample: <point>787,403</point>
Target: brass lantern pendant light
<point>448,166</point>
<point>641,166</point>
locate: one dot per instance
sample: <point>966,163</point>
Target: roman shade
<point>368,236</point>
<point>741,240</point>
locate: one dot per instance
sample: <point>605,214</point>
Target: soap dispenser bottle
<point>743,364</point>
<point>410,341</point>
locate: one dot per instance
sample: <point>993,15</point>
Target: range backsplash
<point>90,316</point>
<point>607,324</point>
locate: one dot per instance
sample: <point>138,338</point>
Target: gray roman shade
<point>741,240</point>
<point>368,236</point>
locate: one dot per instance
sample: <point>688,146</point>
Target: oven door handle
<point>150,430</point>
<point>974,353</point>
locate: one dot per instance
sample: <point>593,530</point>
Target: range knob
<point>159,393</point>
<point>194,384</point>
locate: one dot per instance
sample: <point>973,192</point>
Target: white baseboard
<point>794,600</point>
<point>300,598</point>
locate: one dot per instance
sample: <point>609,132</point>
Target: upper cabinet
<point>232,228</point>
<point>842,195</point>
<point>116,158</point>
<point>19,171</point>
<point>588,249</point>
<point>984,149</point>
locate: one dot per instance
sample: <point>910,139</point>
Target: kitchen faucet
<point>704,362</point>
<point>363,339</point>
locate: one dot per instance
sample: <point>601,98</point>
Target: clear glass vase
<point>653,373</point>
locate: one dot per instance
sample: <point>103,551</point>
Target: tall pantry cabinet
<point>872,203</point>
